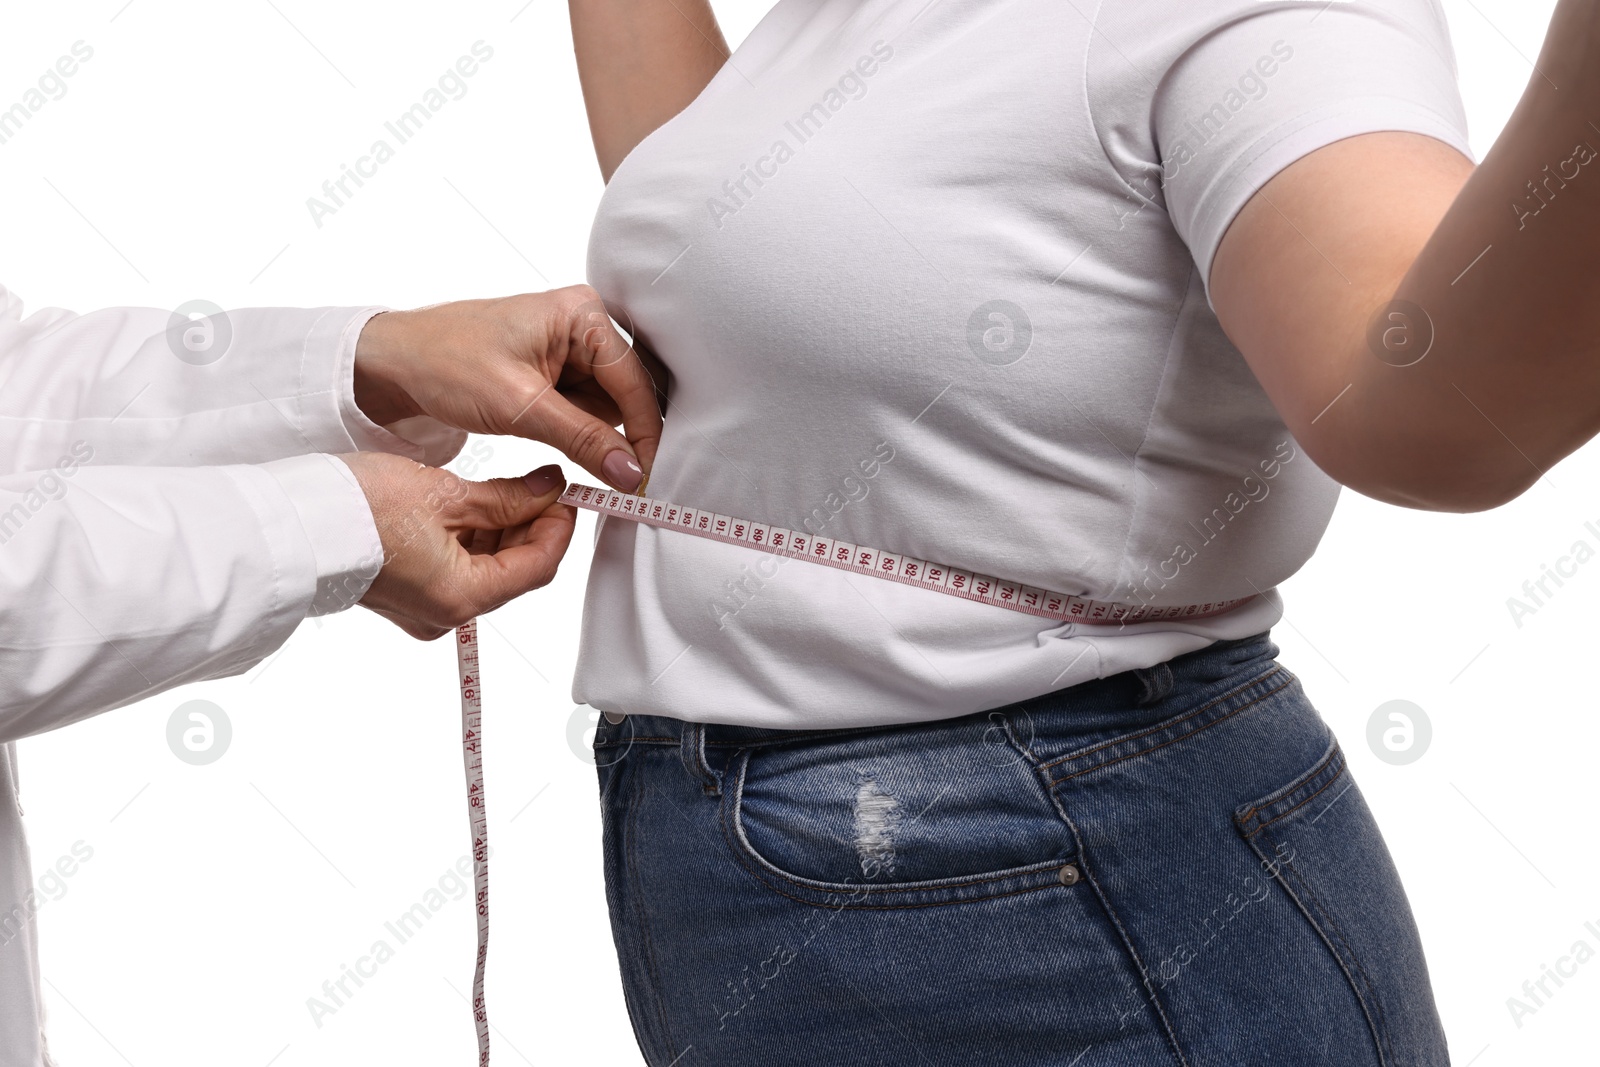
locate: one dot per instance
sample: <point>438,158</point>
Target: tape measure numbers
<point>842,555</point>
<point>468,669</point>
<point>878,563</point>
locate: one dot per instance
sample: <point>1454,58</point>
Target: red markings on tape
<point>861,559</point>
<point>468,668</point>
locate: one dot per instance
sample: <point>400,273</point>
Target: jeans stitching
<point>743,852</point>
<point>1101,895</point>
<point>1334,753</point>
<point>799,736</point>
<point>1366,991</point>
<point>1318,914</point>
<point>615,828</point>
<point>1321,917</point>
<point>691,752</point>
<point>1185,736</point>
<point>898,907</point>
<point>1024,750</point>
<point>645,944</point>
<point>1169,724</point>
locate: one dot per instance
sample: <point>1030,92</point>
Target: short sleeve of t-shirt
<point>1198,103</point>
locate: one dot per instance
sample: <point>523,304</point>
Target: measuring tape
<point>878,563</point>
<point>467,667</point>
<point>858,559</point>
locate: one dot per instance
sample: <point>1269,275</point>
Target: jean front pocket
<point>908,817</point>
<point>1317,838</point>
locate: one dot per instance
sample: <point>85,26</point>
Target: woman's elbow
<point>1459,479</point>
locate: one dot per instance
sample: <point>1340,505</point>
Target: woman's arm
<point>640,63</point>
<point>1378,249</point>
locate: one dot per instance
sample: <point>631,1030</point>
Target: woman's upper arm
<point>640,63</point>
<point>1303,277</point>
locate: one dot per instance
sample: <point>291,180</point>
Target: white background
<point>219,898</point>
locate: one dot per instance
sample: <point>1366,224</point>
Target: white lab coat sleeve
<point>120,582</point>
<point>138,386</point>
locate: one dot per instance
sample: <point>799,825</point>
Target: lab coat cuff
<point>424,439</point>
<point>336,523</point>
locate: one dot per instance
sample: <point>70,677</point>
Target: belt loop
<point>1154,683</point>
<point>692,749</point>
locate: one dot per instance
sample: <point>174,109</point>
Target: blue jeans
<point>1170,866</point>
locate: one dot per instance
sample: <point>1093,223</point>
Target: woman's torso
<point>910,300</point>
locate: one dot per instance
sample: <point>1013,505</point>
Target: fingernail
<point>622,471</point>
<point>543,480</point>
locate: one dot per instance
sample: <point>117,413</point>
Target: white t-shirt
<point>931,278</point>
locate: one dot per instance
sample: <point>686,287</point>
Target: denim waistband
<point>1088,711</point>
